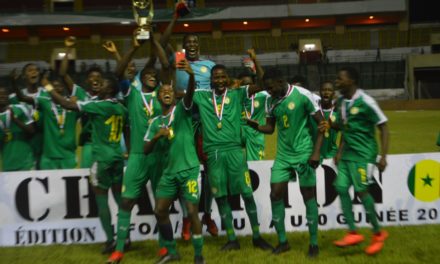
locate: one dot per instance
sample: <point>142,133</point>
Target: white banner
<point>58,207</point>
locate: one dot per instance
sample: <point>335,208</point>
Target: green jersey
<point>329,146</point>
<point>59,129</point>
<point>86,127</point>
<point>221,118</point>
<point>181,152</point>
<point>255,108</point>
<point>15,149</point>
<point>107,118</point>
<point>37,139</point>
<point>142,107</point>
<point>358,118</point>
<point>292,115</point>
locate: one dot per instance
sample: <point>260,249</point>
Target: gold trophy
<point>143,15</point>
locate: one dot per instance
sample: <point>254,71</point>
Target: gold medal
<point>326,134</point>
<point>8,135</point>
<point>219,125</point>
<point>171,133</point>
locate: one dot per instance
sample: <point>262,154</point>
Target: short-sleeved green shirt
<point>140,114</point>
<point>292,115</point>
<point>329,146</point>
<point>358,118</point>
<point>16,150</point>
<point>107,118</point>
<point>37,139</point>
<point>224,134</point>
<point>257,112</point>
<point>181,152</point>
<point>86,128</point>
<point>59,131</point>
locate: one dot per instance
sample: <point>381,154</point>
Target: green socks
<point>368,202</point>
<point>123,228</point>
<point>312,220</point>
<point>104,215</point>
<point>197,241</point>
<point>251,210</point>
<point>347,208</point>
<point>278,215</point>
<point>226,215</point>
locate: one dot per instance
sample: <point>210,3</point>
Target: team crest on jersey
<point>153,94</point>
<point>256,104</point>
<point>203,69</point>
<point>291,105</point>
<point>333,118</point>
<point>354,110</point>
<point>227,100</point>
<point>214,190</point>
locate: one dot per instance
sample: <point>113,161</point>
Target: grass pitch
<point>406,244</point>
<point>410,132</point>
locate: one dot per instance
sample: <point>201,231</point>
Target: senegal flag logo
<point>424,180</point>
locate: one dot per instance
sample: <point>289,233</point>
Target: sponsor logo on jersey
<point>354,110</point>
<point>203,69</point>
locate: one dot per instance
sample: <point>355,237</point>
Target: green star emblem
<point>427,180</point>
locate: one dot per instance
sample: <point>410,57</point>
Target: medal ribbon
<point>7,124</point>
<point>171,118</point>
<point>343,106</point>
<point>61,119</point>
<point>148,105</point>
<point>249,115</point>
<point>214,101</point>
<point>289,90</point>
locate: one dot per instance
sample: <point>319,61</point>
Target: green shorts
<point>86,155</point>
<point>228,173</point>
<point>354,173</point>
<point>140,169</point>
<point>105,174</point>
<point>183,184</point>
<point>254,150</point>
<point>283,171</point>
<point>47,163</point>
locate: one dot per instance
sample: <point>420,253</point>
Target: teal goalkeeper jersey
<point>142,107</point>
<point>220,133</point>
<point>358,118</point>
<point>202,75</point>
<point>107,118</point>
<point>292,115</point>
<point>179,146</point>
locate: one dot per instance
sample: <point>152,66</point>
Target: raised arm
<point>112,49</point>
<point>58,98</point>
<point>20,96</point>
<point>69,42</point>
<point>123,63</point>
<point>259,69</point>
<point>384,142</point>
<point>267,128</point>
